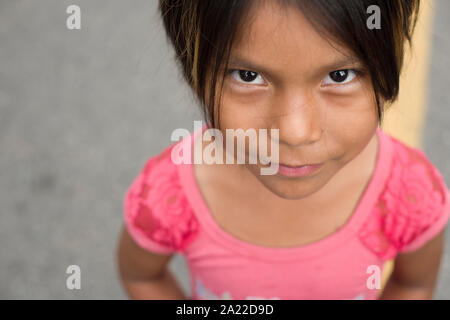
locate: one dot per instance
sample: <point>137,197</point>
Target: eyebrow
<point>346,61</point>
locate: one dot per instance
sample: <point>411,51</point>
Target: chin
<point>289,189</point>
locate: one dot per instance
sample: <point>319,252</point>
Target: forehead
<point>281,37</point>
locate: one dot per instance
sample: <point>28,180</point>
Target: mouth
<point>298,170</point>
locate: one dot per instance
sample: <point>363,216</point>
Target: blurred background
<point>82,110</point>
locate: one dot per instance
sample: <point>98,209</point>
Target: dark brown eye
<point>246,76</point>
<point>339,75</point>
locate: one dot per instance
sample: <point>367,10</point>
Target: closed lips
<point>297,166</point>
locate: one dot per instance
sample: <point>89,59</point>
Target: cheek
<point>350,123</point>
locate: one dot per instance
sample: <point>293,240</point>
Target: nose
<point>299,119</point>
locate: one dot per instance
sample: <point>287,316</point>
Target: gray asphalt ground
<point>81,111</point>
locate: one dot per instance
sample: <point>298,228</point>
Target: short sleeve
<point>157,214</point>
<point>416,201</point>
<point>430,228</point>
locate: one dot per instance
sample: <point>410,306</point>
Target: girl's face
<point>322,116</point>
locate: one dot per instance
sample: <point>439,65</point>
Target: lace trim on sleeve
<point>411,207</point>
<point>157,209</point>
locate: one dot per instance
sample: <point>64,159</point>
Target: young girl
<point>347,196</point>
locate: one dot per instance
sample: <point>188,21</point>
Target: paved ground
<point>80,112</point>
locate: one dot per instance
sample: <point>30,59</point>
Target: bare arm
<point>415,273</point>
<point>143,274</point>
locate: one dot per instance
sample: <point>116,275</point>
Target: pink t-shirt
<point>405,205</point>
